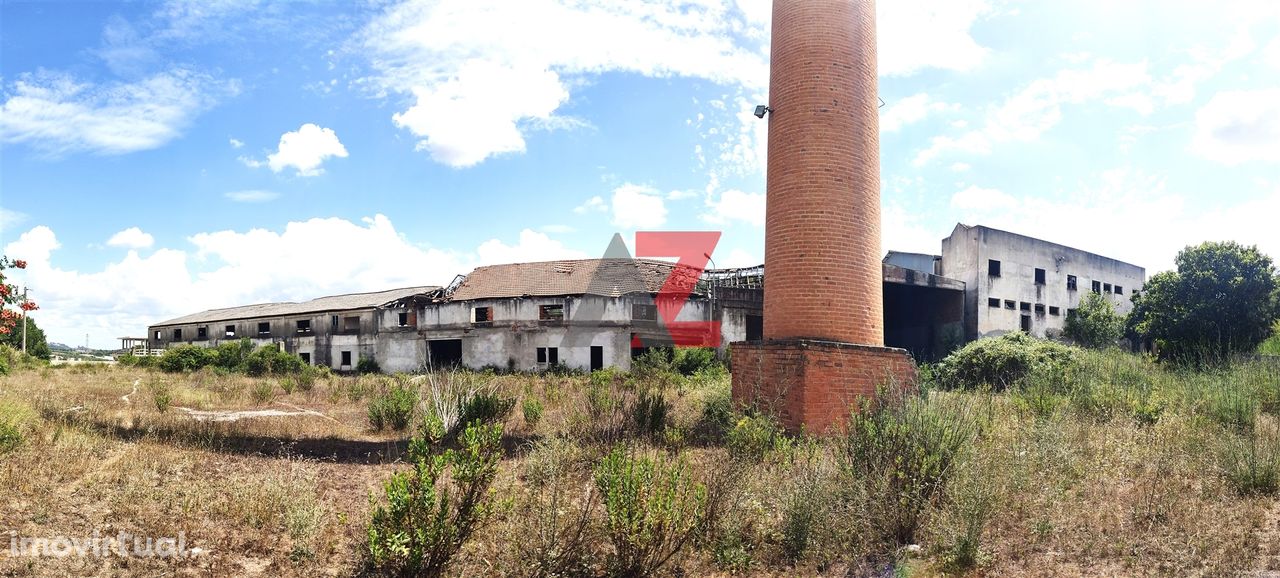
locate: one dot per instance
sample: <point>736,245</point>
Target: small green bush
<point>161,395</point>
<point>186,358</point>
<point>1251,463</point>
<point>232,355</point>
<point>717,415</point>
<point>753,436</point>
<point>10,436</point>
<point>367,365</point>
<point>424,519</point>
<point>393,408</point>
<point>1001,362</point>
<point>262,392</point>
<point>649,413</point>
<point>484,407</point>
<point>653,508</point>
<point>532,409</point>
<point>693,360</point>
<point>902,448</point>
<point>1094,323</point>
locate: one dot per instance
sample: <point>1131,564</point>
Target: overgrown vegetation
<point>1094,323</point>
<point>1002,362</point>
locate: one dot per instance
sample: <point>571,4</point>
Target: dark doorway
<point>597,357</point>
<point>444,352</point>
<point>755,327</point>
<point>1026,323</point>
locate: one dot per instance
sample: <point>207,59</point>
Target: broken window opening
<point>993,268</point>
<point>1071,282</point>
<point>1097,286</point>
<point>1119,290</point>
<point>551,312</point>
<point>304,326</point>
<point>333,323</point>
<point>1054,311</point>
<point>548,355</point>
<point>229,331</point>
<point>1106,287</point>
<point>1010,304</point>
<point>1026,323</point>
<point>993,302</point>
<point>1039,308</point>
<point>1039,276</point>
<point>346,359</point>
<point>177,335</point>
<point>481,315</point>
<point>157,335</point>
<point>306,357</point>
<point>403,319</point>
<point>351,324</point>
<point>264,328</point>
<point>1024,306</point>
<point>644,312</point>
<point>202,333</point>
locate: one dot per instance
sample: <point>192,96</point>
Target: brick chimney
<point>823,303</point>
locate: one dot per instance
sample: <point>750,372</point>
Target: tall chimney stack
<point>823,285</point>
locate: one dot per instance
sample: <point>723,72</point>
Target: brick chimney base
<point>812,385</point>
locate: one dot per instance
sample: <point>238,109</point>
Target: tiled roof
<point>333,303</point>
<point>608,277</point>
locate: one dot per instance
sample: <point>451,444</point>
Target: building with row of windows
<point>595,313</point>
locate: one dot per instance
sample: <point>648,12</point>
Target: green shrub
<point>532,409</point>
<point>753,436</point>
<point>1251,463</point>
<point>1094,323</point>
<point>232,355</point>
<point>716,418</point>
<point>1231,407</point>
<point>485,407</point>
<point>692,360</point>
<point>367,365</point>
<point>393,407</point>
<point>424,519</point>
<point>270,359</point>
<point>185,358</point>
<point>161,395</point>
<point>10,436</point>
<point>902,449</point>
<point>650,412</point>
<point>262,392</point>
<point>653,508</point>
<point>1001,362</point>
<point>1272,345</point>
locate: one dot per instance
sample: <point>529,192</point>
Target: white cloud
<point>739,258</point>
<point>304,260</point>
<point>917,34</point>
<point>595,204</point>
<point>304,149</point>
<point>533,246</point>
<point>1036,108</point>
<point>910,110</point>
<point>1239,126</point>
<point>1271,54</point>
<point>977,198</point>
<point>734,205</point>
<point>638,207</point>
<point>10,219</point>
<point>236,143</point>
<point>131,238</point>
<point>252,196</point>
<point>57,114</point>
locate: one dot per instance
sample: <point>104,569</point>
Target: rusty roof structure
<point>608,277</point>
<point>345,302</point>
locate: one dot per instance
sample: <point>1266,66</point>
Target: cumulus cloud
<point>252,196</point>
<point>236,143</point>
<point>1239,126</point>
<point>55,113</point>
<point>734,205</point>
<point>911,110</point>
<point>304,149</point>
<point>638,207</point>
<point>913,35</point>
<point>595,204</point>
<point>304,260</point>
<point>131,238</point>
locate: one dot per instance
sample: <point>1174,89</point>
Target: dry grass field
<point>1041,482</point>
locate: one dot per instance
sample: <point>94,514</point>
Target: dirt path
<point>125,397</point>
<point>1268,564</point>
<point>234,415</point>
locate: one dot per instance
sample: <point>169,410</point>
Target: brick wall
<point>822,227</point>
<point>814,384</point>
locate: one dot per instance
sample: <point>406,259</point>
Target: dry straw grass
<point>1071,482</point>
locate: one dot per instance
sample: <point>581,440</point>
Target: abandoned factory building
<point>594,313</point>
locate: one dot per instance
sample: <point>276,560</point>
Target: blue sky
<point>159,158</point>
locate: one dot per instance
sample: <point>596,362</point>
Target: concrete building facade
<point>1014,282</point>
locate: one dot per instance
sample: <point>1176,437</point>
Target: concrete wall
<point>966,255</point>
<point>323,344</point>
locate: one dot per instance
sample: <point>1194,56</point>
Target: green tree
<point>1094,323</point>
<point>37,346</point>
<point>1220,301</point>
